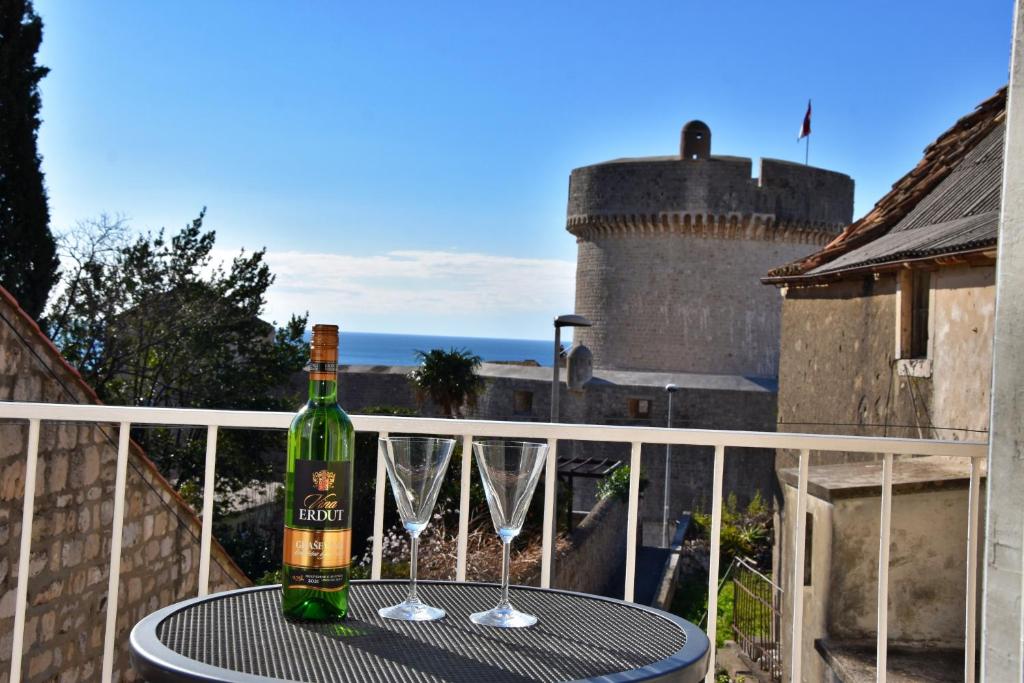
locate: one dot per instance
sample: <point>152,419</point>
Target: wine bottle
<point>318,494</point>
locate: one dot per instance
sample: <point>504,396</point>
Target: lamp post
<point>560,322</point>
<point>670,389</point>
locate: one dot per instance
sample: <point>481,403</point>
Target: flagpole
<point>807,150</point>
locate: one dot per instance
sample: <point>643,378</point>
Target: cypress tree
<point>28,251</point>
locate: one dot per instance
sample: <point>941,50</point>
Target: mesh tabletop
<point>577,637</point>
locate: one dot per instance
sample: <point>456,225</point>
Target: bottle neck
<point>323,391</point>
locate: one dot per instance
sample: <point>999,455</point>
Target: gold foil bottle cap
<point>323,352</point>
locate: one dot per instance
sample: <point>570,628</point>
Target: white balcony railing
<point>36,413</point>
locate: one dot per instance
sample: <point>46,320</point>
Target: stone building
<point>888,332</point>
<point>671,249</point>
<point>71,533</point>
<point>670,255</point>
<point>523,393</point>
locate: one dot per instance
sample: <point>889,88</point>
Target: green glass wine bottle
<point>318,494</point>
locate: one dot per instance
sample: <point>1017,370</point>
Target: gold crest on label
<point>323,480</point>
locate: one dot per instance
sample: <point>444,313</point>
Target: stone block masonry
<point>71,533</point>
<point>671,251</point>
<point>703,401</point>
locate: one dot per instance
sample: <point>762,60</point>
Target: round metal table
<point>241,636</point>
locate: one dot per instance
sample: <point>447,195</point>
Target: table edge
<point>157,663</point>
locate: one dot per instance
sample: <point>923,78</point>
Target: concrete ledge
<point>854,662</point>
<point>864,479</point>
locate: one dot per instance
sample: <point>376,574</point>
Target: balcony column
<point>1001,658</point>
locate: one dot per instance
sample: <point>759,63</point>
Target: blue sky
<point>406,164</point>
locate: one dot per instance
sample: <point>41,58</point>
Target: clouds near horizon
<point>423,291</point>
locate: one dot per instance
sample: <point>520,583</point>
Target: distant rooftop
<point>683,380</point>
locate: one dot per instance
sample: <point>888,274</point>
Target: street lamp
<point>560,322</point>
<point>670,389</point>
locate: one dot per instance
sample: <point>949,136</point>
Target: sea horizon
<point>389,348</point>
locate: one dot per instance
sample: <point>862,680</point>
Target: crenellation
<point>671,251</point>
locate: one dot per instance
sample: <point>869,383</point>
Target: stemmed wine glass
<point>416,466</point>
<point>509,470</point>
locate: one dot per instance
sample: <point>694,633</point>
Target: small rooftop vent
<point>695,141</point>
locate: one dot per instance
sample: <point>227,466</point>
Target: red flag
<point>805,129</point>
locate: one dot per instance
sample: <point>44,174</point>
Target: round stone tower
<point>672,249</point>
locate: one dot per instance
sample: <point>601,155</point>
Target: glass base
<point>504,616</point>
<point>412,611</point>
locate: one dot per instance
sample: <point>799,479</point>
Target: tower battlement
<point>671,250</point>
<point>677,192</point>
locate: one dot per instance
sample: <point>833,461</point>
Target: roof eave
<point>983,254</point>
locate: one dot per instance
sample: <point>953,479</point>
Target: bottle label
<point>320,492</point>
<point>322,370</point>
<point>317,549</point>
<point>320,537</point>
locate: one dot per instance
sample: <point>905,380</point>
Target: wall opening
<point>522,402</point>
<point>639,408</point>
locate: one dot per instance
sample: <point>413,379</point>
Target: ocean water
<point>369,348</point>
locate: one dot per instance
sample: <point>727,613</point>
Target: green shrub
<point>615,484</point>
<point>745,533</point>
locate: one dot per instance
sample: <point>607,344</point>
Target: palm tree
<point>449,378</point>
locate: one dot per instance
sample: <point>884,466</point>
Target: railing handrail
<point>249,419</point>
<point>126,417</point>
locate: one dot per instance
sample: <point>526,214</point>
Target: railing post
<point>713,560</point>
<point>796,663</point>
<point>971,616</point>
<point>632,514</point>
<point>550,498</point>
<point>378,510</point>
<point>885,521</point>
<point>113,580</point>
<point>206,540</point>
<point>27,511</point>
<point>464,485</point>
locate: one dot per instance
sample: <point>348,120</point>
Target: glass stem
<point>506,545</point>
<point>414,551</point>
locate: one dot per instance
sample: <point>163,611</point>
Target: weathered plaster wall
<point>927,570</point>
<point>838,370</point>
<point>964,306</point>
<point>819,561</point>
<point>839,374</point>
<point>71,534</point>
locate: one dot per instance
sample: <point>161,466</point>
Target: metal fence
<point>213,420</point>
<point>757,617</point>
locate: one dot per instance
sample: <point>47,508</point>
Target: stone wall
<point>719,185</point>
<point>71,533</point>
<point>671,252</point>
<point>839,373</point>
<point>684,304</point>
<point>595,553</point>
<point>707,402</point>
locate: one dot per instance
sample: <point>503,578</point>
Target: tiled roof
<point>947,204</point>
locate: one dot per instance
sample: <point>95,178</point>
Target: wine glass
<point>416,466</point>
<point>509,471</point>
